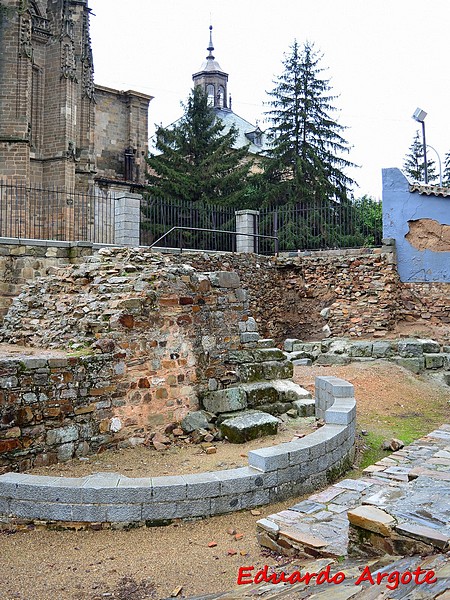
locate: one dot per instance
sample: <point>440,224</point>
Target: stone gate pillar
<point>246,223</point>
<point>127,219</point>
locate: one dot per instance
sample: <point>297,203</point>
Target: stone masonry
<point>289,296</point>
<point>111,499</point>
<point>415,354</point>
<point>171,326</point>
<point>52,128</point>
<point>54,407</point>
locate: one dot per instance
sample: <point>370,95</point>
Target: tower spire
<point>210,48</point>
<point>212,78</point>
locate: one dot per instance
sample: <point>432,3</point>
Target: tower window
<point>210,94</point>
<point>221,97</point>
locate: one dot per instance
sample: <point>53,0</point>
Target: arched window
<point>221,97</point>
<point>210,94</point>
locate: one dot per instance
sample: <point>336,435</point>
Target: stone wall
<point>274,473</point>
<point>428,302</point>
<point>415,354</point>
<point>54,407</point>
<point>21,262</point>
<point>287,294</point>
<point>358,291</point>
<point>171,325</point>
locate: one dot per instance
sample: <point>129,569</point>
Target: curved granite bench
<point>273,473</point>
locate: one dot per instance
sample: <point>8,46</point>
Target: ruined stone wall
<point>286,295</point>
<point>427,302</point>
<point>53,407</point>
<point>170,325</point>
<point>23,262</point>
<point>358,291</point>
<point>162,325</point>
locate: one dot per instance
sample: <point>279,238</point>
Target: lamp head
<point>419,115</point>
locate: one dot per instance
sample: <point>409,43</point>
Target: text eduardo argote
<point>390,579</point>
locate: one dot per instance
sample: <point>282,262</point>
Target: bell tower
<point>213,79</point>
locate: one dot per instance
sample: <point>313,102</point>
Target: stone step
<point>255,355</point>
<point>249,426</point>
<point>226,400</point>
<point>275,397</point>
<point>265,343</point>
<point>279,396</point>
<point>267,370</point>
<point>283,390</point>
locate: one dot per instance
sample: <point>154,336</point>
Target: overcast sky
<point>385,58</point>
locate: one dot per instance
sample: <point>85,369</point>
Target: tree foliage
<point>195,158</point>
<point>414,163</point>
<point>306,157</point>
<point>446,172</point>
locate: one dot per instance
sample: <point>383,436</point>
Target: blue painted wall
<point>401,206</point>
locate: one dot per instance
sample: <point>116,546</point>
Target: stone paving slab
<point>411,486</point>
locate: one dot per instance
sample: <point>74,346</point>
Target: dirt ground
<point>146,563</point>
<point>181,459</point>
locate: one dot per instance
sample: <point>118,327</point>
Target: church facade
<point>57,128</point>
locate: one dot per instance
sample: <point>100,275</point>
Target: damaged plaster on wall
<point>407,216</point>
<point>428,234</point>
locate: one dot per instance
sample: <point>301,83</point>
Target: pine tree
<point>307,148</point>
<point>195,158</point>
<point>414,164</point>
<point>446,173</point>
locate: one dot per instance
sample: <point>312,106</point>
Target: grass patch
<point>406,427</point>
<point>370,450</point>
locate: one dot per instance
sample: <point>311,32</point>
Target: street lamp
<point>419,116</point>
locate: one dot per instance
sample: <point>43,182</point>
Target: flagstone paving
<point>411,485</point>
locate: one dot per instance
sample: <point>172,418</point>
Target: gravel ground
<point>146,563</point>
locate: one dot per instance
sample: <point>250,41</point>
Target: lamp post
<point>419,116</point>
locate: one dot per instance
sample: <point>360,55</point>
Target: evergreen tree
<point>446,173</point>
<point>414,163</point>
<point>306,163</point>
<point>195,158</point>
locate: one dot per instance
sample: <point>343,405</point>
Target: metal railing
<point>55,214</point>
<point>180,245</point>
<point>159,216</point>
<point>330,225</point>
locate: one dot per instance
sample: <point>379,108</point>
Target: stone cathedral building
<point>57,128</point>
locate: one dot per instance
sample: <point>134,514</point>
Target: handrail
<point>254,235</point>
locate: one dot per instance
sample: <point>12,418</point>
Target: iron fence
<point>197,226</point>
<point>56,214</point>
<point>33,213</point>
<point>354,224</point>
